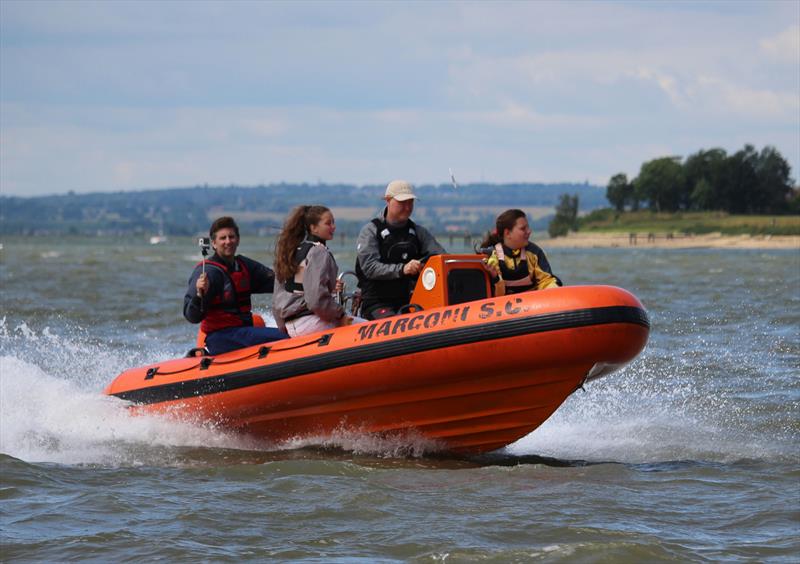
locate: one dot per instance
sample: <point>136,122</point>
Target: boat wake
<point>651,412</point>
<point>52,410</point>
<point>48,419</point>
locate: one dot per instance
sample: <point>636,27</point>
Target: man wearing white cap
<point>389,253</point>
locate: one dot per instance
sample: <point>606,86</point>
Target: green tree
<point>793,204</point>
<point>702,197</point>
<point>619,192</point>
<point>566,218</point>
<point>661,183</point>
<point>740,185</point>
<point>703,176</point>
<point>774,182</point>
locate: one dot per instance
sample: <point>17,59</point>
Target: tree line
<point>746,182</point>
<point>188,211</point>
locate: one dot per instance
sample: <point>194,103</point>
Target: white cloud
<point>783,47</point>
<point>717,96</point>
<point>122,95</point>
<point>220,146</point>
<point>747,101</point>
<point>513,115</point>
<point>668,84</point>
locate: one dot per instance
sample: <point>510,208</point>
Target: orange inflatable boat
<point>469,371</point>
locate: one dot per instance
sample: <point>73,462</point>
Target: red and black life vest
<point>233,307</point>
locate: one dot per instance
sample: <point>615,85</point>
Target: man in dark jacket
<point>390,251</point>
<point>218,296</point>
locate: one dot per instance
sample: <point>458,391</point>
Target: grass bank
<point>611,221</point>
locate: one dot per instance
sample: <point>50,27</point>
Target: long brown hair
<point>295,228</point>
<point>505,220</point>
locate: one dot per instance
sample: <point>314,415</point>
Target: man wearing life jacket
<point>390,249</point>
<point>219,298</point>
<point>518,265</point>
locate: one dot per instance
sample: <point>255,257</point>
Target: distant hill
<point>188,211</point>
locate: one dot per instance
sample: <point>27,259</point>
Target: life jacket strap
<point>521,282</point>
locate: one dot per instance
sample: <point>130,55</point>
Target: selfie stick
<point>203,242</point>
<point>204,250</point>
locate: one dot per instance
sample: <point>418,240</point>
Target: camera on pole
<point>205,244</point>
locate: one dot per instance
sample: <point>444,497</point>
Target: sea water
<point>690,453</point>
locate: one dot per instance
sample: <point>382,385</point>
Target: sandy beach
<point>664,241</point>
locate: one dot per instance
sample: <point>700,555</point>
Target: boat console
<point>450,280</point>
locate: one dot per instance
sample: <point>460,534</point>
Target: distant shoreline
<point>573,240</point>
<point>663,241</point>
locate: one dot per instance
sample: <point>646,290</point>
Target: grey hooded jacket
<point>319,287</point>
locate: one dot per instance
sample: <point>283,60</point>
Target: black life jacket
<point>295,285</point>
<point>397,245</point>
<point>517,279</point>
<point>233,307</point>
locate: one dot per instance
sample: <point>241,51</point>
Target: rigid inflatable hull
<point>472,377</point>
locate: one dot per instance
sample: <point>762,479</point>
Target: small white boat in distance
<point>160,238</point>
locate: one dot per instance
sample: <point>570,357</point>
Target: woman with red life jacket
<point>306,274</point>
<point>518,265</point>
<point>219,298</point>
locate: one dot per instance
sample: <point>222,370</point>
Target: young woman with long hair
<point>518,264</point>
<point>305,273</point>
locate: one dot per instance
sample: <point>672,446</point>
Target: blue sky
<point>107,96</point>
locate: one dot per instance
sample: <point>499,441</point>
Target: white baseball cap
<point>400,190</point>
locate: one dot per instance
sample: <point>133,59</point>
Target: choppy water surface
<point>690,453</point>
